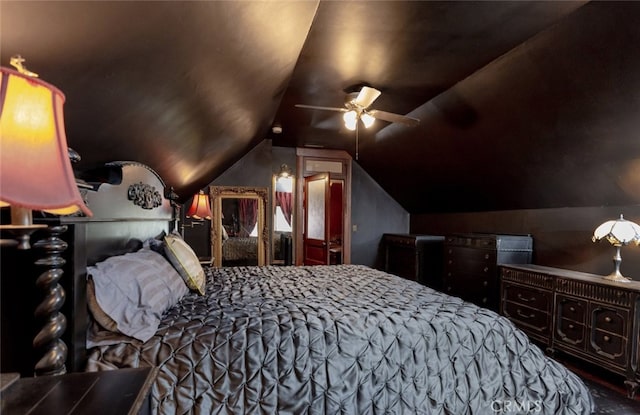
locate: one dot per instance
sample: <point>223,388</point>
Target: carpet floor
<point>610,399</point>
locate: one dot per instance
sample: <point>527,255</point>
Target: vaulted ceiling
<point>522,104</point>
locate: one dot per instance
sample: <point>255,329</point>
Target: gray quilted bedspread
<point>341,339</point>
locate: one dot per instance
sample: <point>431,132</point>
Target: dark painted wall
<point>255,169</point>
<point>561,237</point>
<point>373,211</point>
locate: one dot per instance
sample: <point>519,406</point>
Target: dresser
<point>580,314</point>
<point>415,257</point>
<point>471,264</point>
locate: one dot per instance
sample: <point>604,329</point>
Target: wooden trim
<point>303,154</point>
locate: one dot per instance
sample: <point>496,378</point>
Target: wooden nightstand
<point>124,391</point>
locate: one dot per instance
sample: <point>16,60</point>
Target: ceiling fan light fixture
<point>357,106</point>
<point>367,119</point>
<point>350,119</point>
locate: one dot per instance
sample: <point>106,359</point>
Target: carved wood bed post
<point>175,207</point>
<point>48,340</point>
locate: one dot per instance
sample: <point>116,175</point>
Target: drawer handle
<point>572,309</point>
<point>571,326</point>
<point>486,269</point>
<point>485,283</point>
<point>486,256</point>
<point>523,315</point>
<point>607,319</point>
<point>520,297</point>
<point>607,339</point>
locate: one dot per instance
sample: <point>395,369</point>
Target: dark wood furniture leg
<point>48,340</point>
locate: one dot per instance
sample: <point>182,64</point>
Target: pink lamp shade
<point>200,208</point>
<point>35,170</point>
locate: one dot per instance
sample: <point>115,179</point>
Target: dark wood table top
<point>123,391</point>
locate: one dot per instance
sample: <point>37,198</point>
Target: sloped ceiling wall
<point>185,87</point>
<point>552,123</point>
<point>523,104</point>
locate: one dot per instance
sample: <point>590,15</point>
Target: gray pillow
<point>156,243</point>
<point>135,289</point>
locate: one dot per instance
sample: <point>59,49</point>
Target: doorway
<point>323,233</point>
<point>323,202</point>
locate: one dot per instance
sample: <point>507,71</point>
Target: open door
<point>337,164</point>
<point>316,219</point>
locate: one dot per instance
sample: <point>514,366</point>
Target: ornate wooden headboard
<point>128,202</point>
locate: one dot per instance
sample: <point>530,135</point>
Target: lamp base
<point>617,277</point>
<point>22,235</point>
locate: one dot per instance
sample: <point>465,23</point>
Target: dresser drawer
<point>481,298</point>
<point>608,346</point>
<point>527,318</point>
<point>478,289</point>
<point>529,297</point>
<point>473,241</point>
<point>573,309</point>
<point>608,333</point>
<point>609,319</point>
<point>571,333</point>
<point>527,278</point>
<point>470,258</point>
<point>481,279</point>
<point>571,320</point>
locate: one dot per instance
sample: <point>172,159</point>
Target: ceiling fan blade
<point>366,97</point>
<point>316,107</point>
<point>391,117</point>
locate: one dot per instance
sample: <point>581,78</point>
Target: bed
<point>323,339</point>
<point>240,249</point>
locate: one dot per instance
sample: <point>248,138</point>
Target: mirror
<point>282,237</point>
<point>238,232</point>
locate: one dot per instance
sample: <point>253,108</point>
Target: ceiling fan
<point>357,107</point>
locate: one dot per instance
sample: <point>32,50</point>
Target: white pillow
<point>186,262</point>
<point>135,289</point>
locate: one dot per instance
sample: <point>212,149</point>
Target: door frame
<point>305,158</point>
<point>314,244</point>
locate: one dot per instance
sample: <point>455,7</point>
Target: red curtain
<point>283,199</point>
<point>248,216</point>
